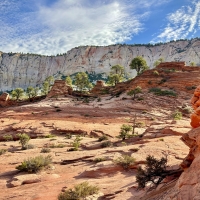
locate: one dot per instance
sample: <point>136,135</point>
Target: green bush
<point>96,160</point>
<point>80,191</point>
<point>45,150</point>
<point>159,92</point>
<point>76,144</point>
<point>35,164</point>
<point>156,73</point>
<point>177,115</point>
<point>50,136</point>
<point>23,140</point>
<point>155,171</point>
<point>107,143</point>
<point>57,145</point>
<point>103,137</point>
<point>2,151</point>
<point>124,131</point>
<point>125,161</point>
<point>8,137</point>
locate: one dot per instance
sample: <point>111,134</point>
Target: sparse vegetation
<point>156,73</point>
<point>50,136</point>
<point>23,140</point>
<point>125,161</point>
<point>76,144</point>
<point>116,74</point>
<point>2,151</point>
<point>124,131</point>
<point>96,160</point>
<point>155,171</point>
<point>107,143</point>
<point>139,64</point>
<point>57,146</point>
<point>8,137</point>
<point>35,164</point>
<point>177,115</point>
<point>45,150</point>
<point>160,92</point>
<point>135,91</point>
<point>103,137</point>
<point>17,93</point>
<point>80,191</point>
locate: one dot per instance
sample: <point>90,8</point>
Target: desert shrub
<point>155,171</point>
<point>29,146</point>
<point>163,80</point>
<point>159,92</point>
<point>135,91</point>
<point>140,124</point>
<point>45,150</point>
<point>80,191</point>
<point>8,137</point>
<point>125,161</point>
<point>102,138</point>
<point>177,115</point>
<point>68,136</point>
<point>57,145</point>
<point>50,136</point>
<point>186,109</point>
<point>35,164</point>
<point>105,144</point>
<point>96,160</point>
<point>2,151</point>
<point>193,87</point>
<point>86,100</point>
<point>23,140</point>
<point>58,110</point>
<point>99,99</point>
<point>156,73</point>
<point>149,82</point>
<point>76,144</point>
<point>124,131</point>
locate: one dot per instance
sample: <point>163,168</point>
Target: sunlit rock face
<point>195,101</point>
<point>23,70</point>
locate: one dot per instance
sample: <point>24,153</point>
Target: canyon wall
<point>23,70</point>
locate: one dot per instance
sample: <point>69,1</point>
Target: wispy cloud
<point>181,23</point>
<point>66,24</point>
<point>38,27</point>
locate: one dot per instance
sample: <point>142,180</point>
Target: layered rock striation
<point>23,70</point>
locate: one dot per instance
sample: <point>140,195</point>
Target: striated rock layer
<point>23,70</point>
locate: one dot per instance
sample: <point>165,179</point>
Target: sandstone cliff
<point>23,70</point>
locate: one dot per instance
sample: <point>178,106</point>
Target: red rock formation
<point>195,101</point>
<point>60,88</point>
<point>99,88</point>
<point>5,100</point>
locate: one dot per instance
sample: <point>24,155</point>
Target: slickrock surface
<point>159,136</point>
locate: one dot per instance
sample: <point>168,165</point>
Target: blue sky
<point>55,26</point>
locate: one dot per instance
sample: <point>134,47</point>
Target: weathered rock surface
<point>23,70</point>
<point>60,88</point>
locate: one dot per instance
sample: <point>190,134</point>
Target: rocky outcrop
<point>23,70</point>
<point>174,76</point>
<point>195,101</point>
<point>99,88</point>
<point>187,186</point>
<point>5,100</point>
<point>60,88</point>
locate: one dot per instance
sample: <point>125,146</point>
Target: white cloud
<point>38,27</point>
<point>181,24</point>
<point>66,24</point>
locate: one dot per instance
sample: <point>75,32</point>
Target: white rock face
<point>23,70</point>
